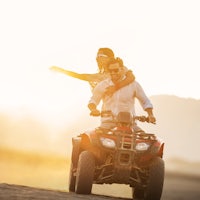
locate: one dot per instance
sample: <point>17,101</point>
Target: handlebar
<point>142,119</point>
<point>109,114</point>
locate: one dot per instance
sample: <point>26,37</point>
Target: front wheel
<point>85,173</point>
<point>156,180</point>
<point>153,190</point>
<point>138,193</point>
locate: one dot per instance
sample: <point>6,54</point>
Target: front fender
<point>161,150</point>
<point>90,142</point>
<point>90,138</point>
<point>158,148</point>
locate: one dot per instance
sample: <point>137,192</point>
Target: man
<point>123,99</point>
<point>103,57</point>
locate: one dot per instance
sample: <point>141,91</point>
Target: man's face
<point>115,71</point>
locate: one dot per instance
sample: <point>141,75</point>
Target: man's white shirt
<point>123,100</point>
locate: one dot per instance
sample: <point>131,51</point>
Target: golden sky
<point>158,40</point>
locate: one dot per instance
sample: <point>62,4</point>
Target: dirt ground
<point>176,187</point>
<point>25,176</point>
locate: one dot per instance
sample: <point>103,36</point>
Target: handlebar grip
<point>141,118</point>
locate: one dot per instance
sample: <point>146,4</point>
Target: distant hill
<point>177,124</point>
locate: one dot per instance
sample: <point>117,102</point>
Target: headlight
<point>142,146</point>
<point>106,142</point>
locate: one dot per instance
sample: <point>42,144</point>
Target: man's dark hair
<point>116,60</point>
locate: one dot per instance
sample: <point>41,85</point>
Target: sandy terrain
<point>25,176</point>
<point>176,187</point>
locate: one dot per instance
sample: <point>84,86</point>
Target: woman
<point>103,57</point>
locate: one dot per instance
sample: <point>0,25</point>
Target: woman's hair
<point>106,51</point>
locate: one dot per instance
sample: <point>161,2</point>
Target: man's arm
<point>151,116</point>
<point>97,95</point>
<point>144,102</point>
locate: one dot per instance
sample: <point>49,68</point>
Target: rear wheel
<point>72,179</point>
<point>85,173</point>
<point>73,166</point>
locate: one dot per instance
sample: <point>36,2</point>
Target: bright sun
<point>52,97</point>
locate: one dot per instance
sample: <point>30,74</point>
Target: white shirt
<point>123,100</point>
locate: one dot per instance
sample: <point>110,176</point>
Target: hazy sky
<point>159,40</point>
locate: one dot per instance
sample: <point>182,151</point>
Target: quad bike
<point>118,155</point>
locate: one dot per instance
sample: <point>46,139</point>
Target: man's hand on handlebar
<point>93,110</point>
<point>95,113</point>
<point>152,119</point>
<point>149,119</point>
